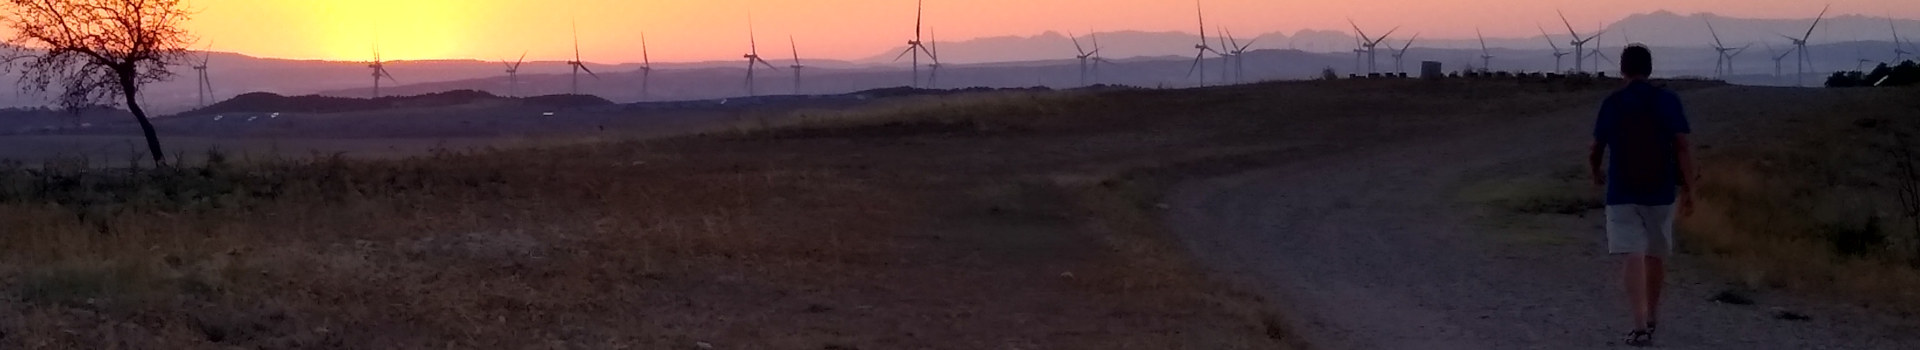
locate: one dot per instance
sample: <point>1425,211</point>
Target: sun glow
<point>691,30</point>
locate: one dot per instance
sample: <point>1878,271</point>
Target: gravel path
<point>1371,249</point>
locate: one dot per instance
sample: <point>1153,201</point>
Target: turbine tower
<point>753,57</point>
<point>1558,55</point>
<point>1369,43</point>
<point>1579,43</point>
<point>1800,45</point>
<point>1486,56</point>
<point>1199,59</point>
<point>646,68</point>
<point>206,85</point>
<point>913,46</point>
<point>796,64</point>
<point>513,75</point>
<point>379,71</point>
<point>1399,56</point>
<point>577,63</point>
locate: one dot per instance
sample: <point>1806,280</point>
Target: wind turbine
<point>1083,56</point>
<point>578,65</point>
<point>1226,56</point>
<point>1399,56</point>
<point>1369,43</point>
<point>1735,53</point>
<point>753,57</point>
<point>1600,53</point>
<point>933,69</point>
<point>1359,50</point>
<point>1237,52</point>
<point>1486,56</point>
<point>206,85</point>
<point>379,71</point>
<point>1557,54</point>
<point>913,46</point>
<point>1899,46</point>
<point>513,75</point>
<point>646,68</point>
<point>1777,57</point>
<point>1719,51</point>
<point>1800,45</point>
<point>1579,44</point>
<point>1199,59</point>
<point>796,64</point>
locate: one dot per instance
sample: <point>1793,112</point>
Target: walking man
<point>1641,135</point>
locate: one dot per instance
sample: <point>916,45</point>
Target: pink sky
<point>688,30</point>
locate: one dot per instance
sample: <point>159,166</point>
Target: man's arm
<point>1595,155</point>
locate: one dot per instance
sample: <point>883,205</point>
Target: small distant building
<point>1430,70</point>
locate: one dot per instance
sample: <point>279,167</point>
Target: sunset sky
<point>692,30</point>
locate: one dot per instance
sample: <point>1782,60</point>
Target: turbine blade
<point>1816,22</point>
<point>1196,64</point>
<point>1563,20</point>
<point>645,59</point>
<point>1543,33</point>
<point>796,50</point>
<point>1416,36</point>
<point>1383,37</point>
<point>919,13</point>
<point>903,54</point>
<point>1356,29</point>
<point>1242,48</point>
<point>583,67</point>
<point>523,59</point>
<point>1076,44</point>
<point>1483,40</point>
<point>1200,12</point>
<point>1716,34</point>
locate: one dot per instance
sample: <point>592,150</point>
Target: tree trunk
<point>132,91</point>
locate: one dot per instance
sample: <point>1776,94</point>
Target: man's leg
<point>1635,271</point>
<point>1656,279</point>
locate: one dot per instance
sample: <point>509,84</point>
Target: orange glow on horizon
<point>679,30</point>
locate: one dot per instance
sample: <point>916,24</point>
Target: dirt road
<point>1371,249</point>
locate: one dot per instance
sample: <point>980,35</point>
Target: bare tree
<point>93,51</point>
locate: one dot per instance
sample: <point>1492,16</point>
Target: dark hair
<point>1636,61</point>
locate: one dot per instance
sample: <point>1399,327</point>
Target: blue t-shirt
<point>1667,105</point>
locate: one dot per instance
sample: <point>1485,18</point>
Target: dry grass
<point>978,221</point>
<point>1810,205</point>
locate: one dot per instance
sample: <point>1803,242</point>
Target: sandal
<point>1639,337</point>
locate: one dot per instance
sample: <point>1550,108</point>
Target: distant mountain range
<point>1141,58</point>
<point>1659,29</point>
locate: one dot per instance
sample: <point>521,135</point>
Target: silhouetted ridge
<point>264,102</point>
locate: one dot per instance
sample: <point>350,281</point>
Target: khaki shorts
<point>1642,229</point>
